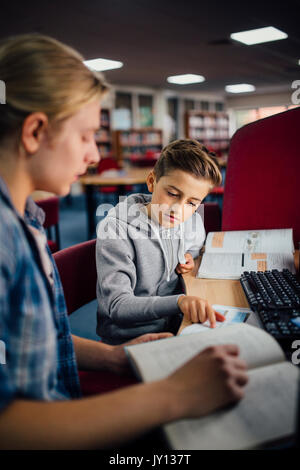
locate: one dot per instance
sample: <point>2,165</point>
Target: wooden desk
<point>120,178</point>
<point>218,291</point>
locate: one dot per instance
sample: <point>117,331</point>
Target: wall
<point>160,97</point>
<point>259,100</point>
<point>254,101</point>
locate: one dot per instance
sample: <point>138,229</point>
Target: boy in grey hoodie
<point>146,242</point>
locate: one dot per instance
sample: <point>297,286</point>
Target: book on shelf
<point>228,254</point>
<point>266,413</point>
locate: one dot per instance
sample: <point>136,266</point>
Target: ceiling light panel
<point>258,36</point>
<point>100,65</point>
<point>240,88</point>
<point>185,79</point>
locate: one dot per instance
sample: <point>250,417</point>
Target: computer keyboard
<point>275,296</point>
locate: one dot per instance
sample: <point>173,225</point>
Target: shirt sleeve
<point>7,388</point>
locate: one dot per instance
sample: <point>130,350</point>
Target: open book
<point>228,254</point>
<point>266,413</point>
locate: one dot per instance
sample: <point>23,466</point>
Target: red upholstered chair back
<point>108,163</point>
<point>212,217</point>
<point>262,189</point>
<point>51,208</point>
<point>77,269</point>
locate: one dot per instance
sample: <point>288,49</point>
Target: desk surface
<point>218,291</point>
<point>121,177</point>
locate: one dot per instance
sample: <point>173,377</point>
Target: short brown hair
<point>190,156</point>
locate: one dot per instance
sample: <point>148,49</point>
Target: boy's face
<point>175,197</point>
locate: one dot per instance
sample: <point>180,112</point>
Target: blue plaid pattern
<point>40,359</point>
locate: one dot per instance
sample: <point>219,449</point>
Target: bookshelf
<point>210,128</point>
<point>103,135</point>
<point>138,146</point>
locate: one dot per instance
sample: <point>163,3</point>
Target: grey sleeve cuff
<point>194,253</point>
<point>165,306</point>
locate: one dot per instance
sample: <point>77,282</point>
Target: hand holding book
<point>214,378</point>
<point>267,410</point>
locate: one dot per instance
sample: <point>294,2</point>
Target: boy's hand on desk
<point>187,267</point>
<point>197,310</point>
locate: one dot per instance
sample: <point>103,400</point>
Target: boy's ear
<point>150,181</point>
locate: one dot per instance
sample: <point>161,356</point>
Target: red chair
<point>262,189</point>
<point>109,163</point>
<point>218,190</point>
<point>105,164</point>
<point>77,269</point>
<point>51,208</point>
<point>212,217</point>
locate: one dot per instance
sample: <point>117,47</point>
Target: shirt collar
<point>33,213</point>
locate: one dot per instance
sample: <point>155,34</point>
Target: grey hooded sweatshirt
<point>138,288</point>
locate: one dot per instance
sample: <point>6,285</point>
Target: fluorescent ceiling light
<point>257,36</point>
<point>298,61</point>
<point>185,79</point>
<point>103,64</point>
<point>239,88</point>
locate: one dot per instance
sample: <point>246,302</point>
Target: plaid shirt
<point>40,359</point>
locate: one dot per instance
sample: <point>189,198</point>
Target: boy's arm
<point>212,379</point>
<point>117,276</point>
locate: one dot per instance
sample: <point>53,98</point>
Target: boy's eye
<point>172,194</point>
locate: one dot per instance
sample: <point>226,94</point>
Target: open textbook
<point>266,413</point>
<point>228,254</point>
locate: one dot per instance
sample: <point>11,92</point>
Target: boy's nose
<point>176,208</point>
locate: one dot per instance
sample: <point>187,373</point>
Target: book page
<point>157,359</point>
<point>232,265</point>
<point>250,241</point>
<point>266,413</point>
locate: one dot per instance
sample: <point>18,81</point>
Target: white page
<point>251,241</point>
<point>267,412</point>
<point>232,265</point>
<point>158,359</point>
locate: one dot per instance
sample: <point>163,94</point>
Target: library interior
<point>225,75</point>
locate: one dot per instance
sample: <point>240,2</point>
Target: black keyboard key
<point>275,296</point>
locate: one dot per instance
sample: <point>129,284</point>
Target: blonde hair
<point>43,74</point>
<point>190,156</point>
